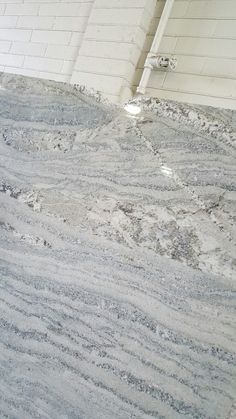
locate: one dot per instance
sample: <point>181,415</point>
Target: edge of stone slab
<point>34,85</point>
<point>196,116</point>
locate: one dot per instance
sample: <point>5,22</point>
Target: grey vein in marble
<point>117,253</point>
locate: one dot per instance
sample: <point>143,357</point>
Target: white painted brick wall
<point>202,36</point>
<point>100,43</point>
<point>112,44</point>
<point>41,38</point>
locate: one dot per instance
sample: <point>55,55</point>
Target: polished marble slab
<point>117,259</point>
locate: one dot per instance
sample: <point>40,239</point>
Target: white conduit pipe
<point>155,46</point>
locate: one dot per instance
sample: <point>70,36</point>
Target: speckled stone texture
<point>117,257</point>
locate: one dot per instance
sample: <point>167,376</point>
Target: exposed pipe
<point>155,46</point>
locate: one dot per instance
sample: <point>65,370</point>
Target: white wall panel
<point>43,37</point>
<point>201,34</point>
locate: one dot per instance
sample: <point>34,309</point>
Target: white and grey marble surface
<point>117,258</point>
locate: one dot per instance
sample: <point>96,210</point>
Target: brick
<point>206,47</point>
<point>40,1</point>
<point>66,9</point>
<point>8,1</point>
<point>116,34</point>
<point>43,64</point>
<point>5,46</point>
<point>61,52</point>
<point>121,17</point>
<point>11,60</point>
<point>8,21</point>
<point>28,48</point>
<point>70,23</point>
<point>15,34</point>
<point>22,9</point>
<point>120,4</point>
<point>52,37</point>
<point>35,22</point>
<point>214,9</point>
<point>103,66</point>
<point>190,64</point>
<point>219,68</point>
<point>201,84</point>
<point>225,28</point>
<point>110,50</point>
<point>190,27</point>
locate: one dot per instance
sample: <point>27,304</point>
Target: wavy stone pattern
<point>117,260</point>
